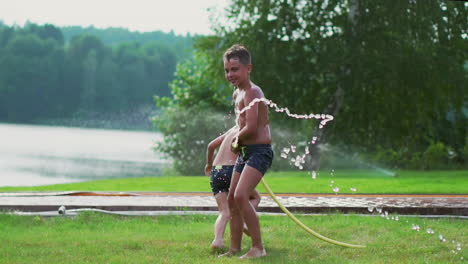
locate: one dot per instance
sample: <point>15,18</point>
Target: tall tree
<point>390,72</point>
<point>381,67</point>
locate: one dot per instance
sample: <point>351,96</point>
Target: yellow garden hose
<point>310,231</point>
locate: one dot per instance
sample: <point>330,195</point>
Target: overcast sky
<point>182,16</point>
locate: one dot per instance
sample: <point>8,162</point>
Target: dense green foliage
<point>193,116</point>
<point>115,36</point>
<point>43,75</point>
<point>393,74</point>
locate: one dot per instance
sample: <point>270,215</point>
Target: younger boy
<point>220,169</point>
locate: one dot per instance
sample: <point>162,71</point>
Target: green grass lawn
<point>98,238</point>
<point>365,181</point>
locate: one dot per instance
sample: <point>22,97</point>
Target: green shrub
<point>415,162</point>
<point>465,151</point>
<point>435,157</point>
<point>388,157</point>
<point>186,135</point>
<point>191,118</point>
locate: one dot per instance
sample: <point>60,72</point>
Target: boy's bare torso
<point>225,156</point>
<point>262,134</point>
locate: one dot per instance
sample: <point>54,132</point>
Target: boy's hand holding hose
<point>235,147</point>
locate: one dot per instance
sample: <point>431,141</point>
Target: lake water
<point>39,155</point>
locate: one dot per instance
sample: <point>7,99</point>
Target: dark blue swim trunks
<point>220,178</point>
<point>258,156</point>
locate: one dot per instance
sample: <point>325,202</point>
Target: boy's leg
<point>255,201</point>
<point>255,198</point>
<point>236,223</point>
<point>249,179</point>
<point>221,221</point>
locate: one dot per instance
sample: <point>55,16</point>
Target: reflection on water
<point>38,155</point>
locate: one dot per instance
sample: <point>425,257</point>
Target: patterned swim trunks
<point>220,178</point>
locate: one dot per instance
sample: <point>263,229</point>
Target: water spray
<point>324,120</point>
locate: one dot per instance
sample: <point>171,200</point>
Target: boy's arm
<point>251,116</point>
<point>214,144</point>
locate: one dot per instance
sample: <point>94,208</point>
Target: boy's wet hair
<point>240,52</point>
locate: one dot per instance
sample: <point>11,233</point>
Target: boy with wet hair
<point>220,171</point>
<point>253,145</point>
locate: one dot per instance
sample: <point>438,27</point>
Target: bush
<point>186,135</point>
<point>388,157</point>
<point>415,161</point>
<point>435,157</point>
<point>465,151</point>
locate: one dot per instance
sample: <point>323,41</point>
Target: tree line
<point>392,73</point>
<point>45,75</point>
<point>115,35</point>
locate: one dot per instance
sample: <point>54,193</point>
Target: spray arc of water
<point>302,225</point>
<point>325,118</point>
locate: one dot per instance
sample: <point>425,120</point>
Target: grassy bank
<point>96,238</point>
<point>365,181</point>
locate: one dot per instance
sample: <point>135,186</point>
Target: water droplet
<point>293,148</point>
<point>314,175</point>
<point>442,239</point>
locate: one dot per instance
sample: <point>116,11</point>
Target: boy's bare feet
<point>254,253</point>
<point>229,254</point>
<point>217,245</point>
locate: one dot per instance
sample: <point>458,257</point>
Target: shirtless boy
<point>253,143</point>
<point>220,169</point>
